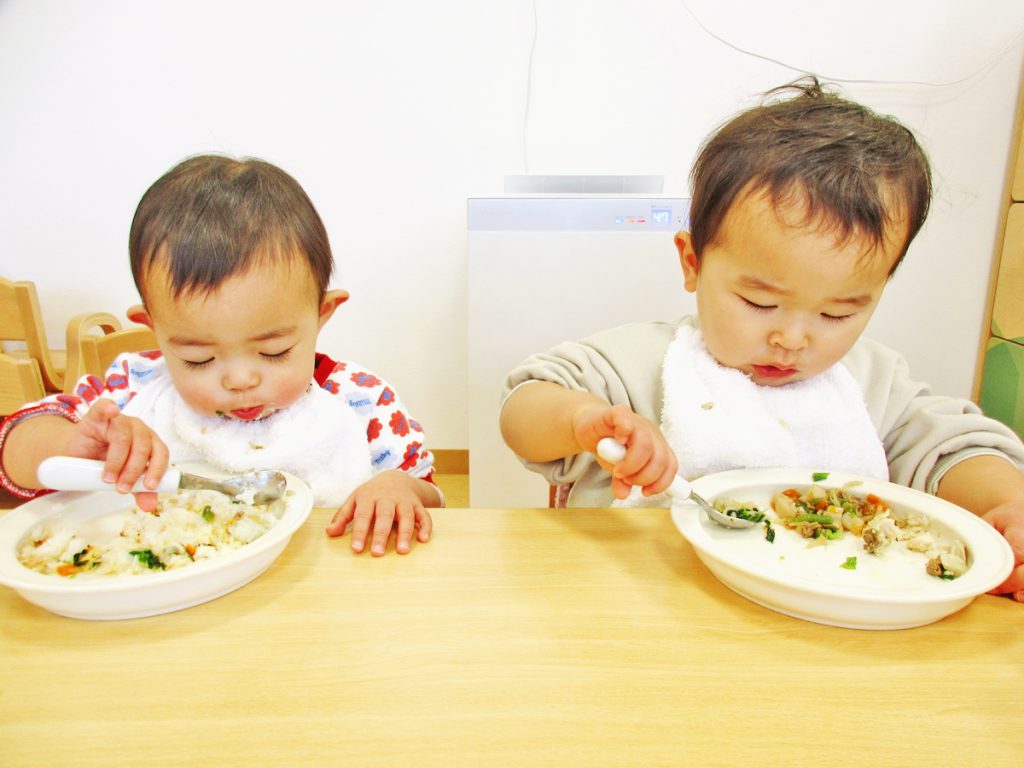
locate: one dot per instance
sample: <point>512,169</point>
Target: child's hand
<point>388,499</point>
<point>649,461</point>
<point>127,447</point>
<point>1008,519</point>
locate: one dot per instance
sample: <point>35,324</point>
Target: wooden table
<point>516,637</point>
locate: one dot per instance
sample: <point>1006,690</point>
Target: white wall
<point>391,114</point>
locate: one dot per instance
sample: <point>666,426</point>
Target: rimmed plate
<point>132,596</point>
<point>888,591</point>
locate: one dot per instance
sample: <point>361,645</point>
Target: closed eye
<point>278,356</point>
<point>758,307</point>
<point>836,318</point>
<point>197,363</point>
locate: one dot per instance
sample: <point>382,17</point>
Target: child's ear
<point>688,259</point>
<point>138,314</point>
<point>331,301</point>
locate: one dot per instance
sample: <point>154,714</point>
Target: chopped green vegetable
<point>87,558</point>
<point>739,510</point>
<point>769,532</point>
<point>819,476</point>
<point>851,508</point>
<point>148,559</point>
<point>850,564</point>
<point>746,513</point>
<point>810,517</point>
<point>208,513</point>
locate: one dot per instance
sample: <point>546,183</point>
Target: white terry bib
<point>716,418</point>
<point>317,438</point>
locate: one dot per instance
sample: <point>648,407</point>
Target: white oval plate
<point>129,596</point>
<point>888,591</point>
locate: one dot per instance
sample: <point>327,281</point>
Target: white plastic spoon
<point>613,452</point>
<point>64,473</point>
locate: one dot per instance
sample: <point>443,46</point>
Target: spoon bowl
<point>264,486</point>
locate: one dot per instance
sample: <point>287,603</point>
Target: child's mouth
<point>248,414</point>
<point>773,371</point>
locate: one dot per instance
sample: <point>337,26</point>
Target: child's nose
<point>240,378</point>
<point>789,336</point>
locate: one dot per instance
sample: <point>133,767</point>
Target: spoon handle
<point>613,452</point>
<point>66,473</point>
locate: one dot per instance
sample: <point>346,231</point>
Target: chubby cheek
<point>730,340</point>
<point>732,347</point>
<point>283,387</point>
<point>286,392</point>
<point>840,343</point>
<point>199,398</point>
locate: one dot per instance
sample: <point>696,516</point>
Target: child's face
<point>780,300</point>
<point>246,349</point>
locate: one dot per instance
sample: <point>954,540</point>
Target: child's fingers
<point>651,473</point>
<point>119,445</point>
<point>93,431</point>
<point>667,467</point>
<point>342,518</point>
<point>129,443</point>
<point>385,519</point>
<point>664,480</point>
<point>96,419</point>
<point>593,424</point>
<point>636,466</point>
<point>159,458</point>
<point>362,519</point>
<point>405,515</point>
<point>146,501</point>
<point>135,464</point>
<point>1013,586</point>
<point>425,524</point>
<point>620,488</point>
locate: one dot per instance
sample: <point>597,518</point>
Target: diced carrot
<point>67,569</point>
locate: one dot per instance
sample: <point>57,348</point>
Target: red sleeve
<point>52,408</point>
<point>323,366</point>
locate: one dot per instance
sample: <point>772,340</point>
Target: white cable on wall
<point>1014,42</point>
<point>529,88</point>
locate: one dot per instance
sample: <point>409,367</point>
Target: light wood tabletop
<point>515,637</point>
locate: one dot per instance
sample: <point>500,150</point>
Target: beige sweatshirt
<point>923,434</point>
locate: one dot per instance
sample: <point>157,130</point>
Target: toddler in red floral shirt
<point>232,263</point>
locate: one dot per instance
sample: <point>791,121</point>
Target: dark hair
<point>212,216</point>
<point>855,170</point>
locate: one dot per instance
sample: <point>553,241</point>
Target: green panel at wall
<point>1002,383</point>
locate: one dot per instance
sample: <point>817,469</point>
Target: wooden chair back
<point>91,353</point>
<point>20,382</point>
<point>21,321</point>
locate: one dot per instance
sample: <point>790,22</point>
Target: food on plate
<point>742,510</point>
<point>186,527</point>
<point>822,514</point>
<point>746,511</point>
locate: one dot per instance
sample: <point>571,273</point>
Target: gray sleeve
<point>924,434</point>
<point>621,365</point>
